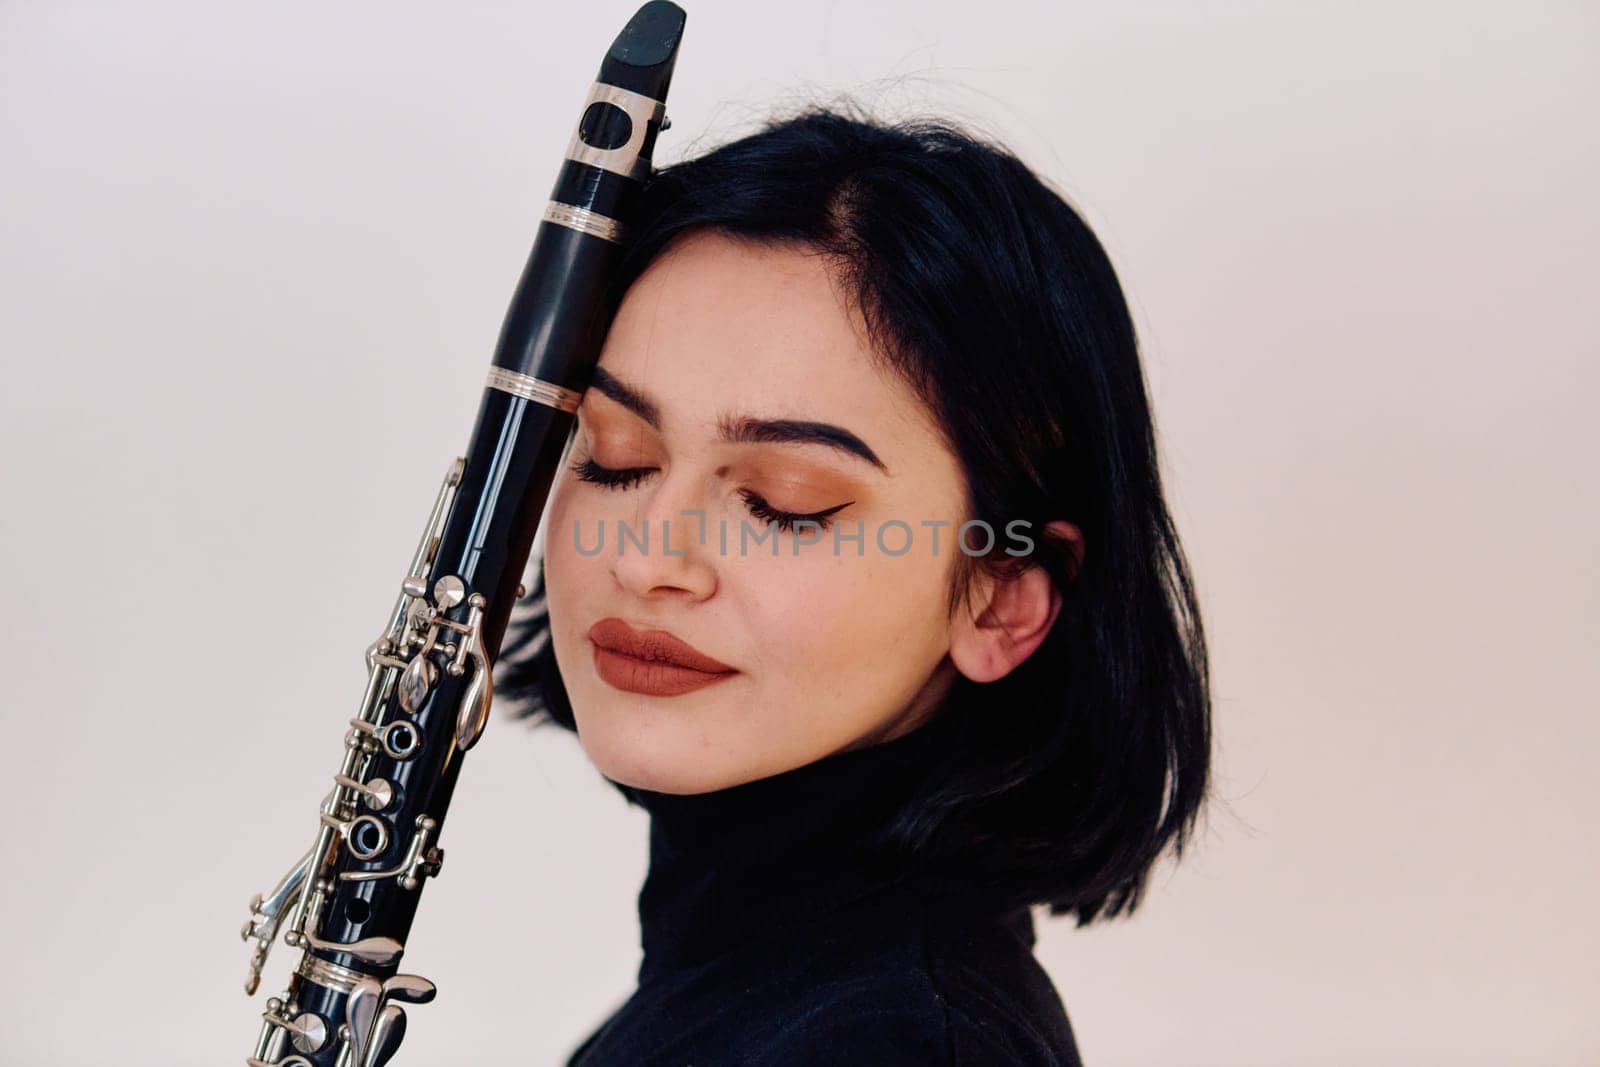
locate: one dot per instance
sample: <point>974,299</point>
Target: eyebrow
<point>743,429</point>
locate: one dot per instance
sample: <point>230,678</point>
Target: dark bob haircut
<point>1065,781</point>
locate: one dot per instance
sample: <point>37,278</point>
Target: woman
<point>858,579</point>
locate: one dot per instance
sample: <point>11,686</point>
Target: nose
<point>664,550</point>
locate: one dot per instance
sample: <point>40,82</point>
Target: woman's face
<point>828,645</point>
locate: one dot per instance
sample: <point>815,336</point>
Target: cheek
<point>844,617</point>
<point>567,570</point>
<point>558,531</point>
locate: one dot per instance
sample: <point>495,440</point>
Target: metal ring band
<point>363,851</point>
<point>584,221</point>
<point>385,736</point>
<point>626,159</point>
<point>536,389</point>
<point>330,975</point>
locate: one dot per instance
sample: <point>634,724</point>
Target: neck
<point>754,858</point>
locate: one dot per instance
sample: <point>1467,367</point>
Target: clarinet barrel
<point>349,902</point>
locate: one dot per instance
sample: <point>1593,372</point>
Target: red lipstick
<point>651,662</point>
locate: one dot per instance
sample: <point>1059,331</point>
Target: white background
<point>253,260</point>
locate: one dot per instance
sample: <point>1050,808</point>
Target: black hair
<point>1066,780</point>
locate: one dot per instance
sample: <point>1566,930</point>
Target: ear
<point>1012,616</point>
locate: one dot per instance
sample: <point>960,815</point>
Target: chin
<point>658,776</point>
<point>645,760</point>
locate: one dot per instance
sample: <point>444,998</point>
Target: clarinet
<point>349,902</point>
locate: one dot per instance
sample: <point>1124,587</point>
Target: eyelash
<point>589,471</point>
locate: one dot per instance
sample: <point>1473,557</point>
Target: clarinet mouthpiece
<point>644,53</point>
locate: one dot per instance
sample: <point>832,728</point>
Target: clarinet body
<point>349,903</point>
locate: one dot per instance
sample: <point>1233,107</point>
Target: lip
<point>651,662</point>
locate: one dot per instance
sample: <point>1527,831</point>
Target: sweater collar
<point>775,852</point>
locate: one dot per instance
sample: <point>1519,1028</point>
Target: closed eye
<point>622,478</point>
<point>786,520</point>
<point>589,471</point>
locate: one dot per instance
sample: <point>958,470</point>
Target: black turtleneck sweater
<point>775,934</point>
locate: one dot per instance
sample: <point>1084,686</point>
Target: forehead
<point>715,325</point>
